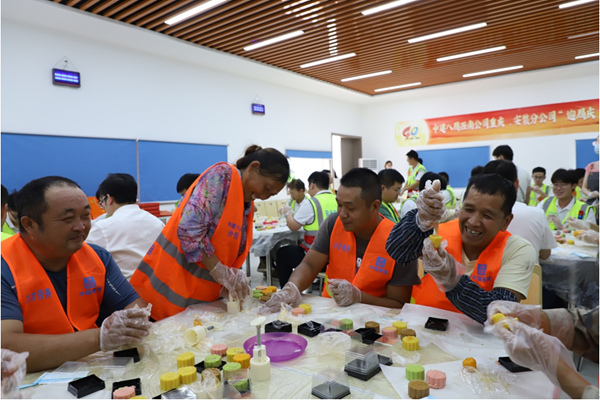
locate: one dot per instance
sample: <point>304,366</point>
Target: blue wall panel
<point>87,161</point>
<point>584,153</point>
<point>456,162</point>
<point>163,163</point>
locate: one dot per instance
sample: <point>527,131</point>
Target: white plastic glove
<point>578,223</point>
<point>289,294</point>
<point>125,327</point>
<point>594,194</point>
<point>285,210</point>
<point>538,190</point>
<point>554,219</point>
<point>14,368</point>
<point>343,292</point>
<point>532,348</point>
<point>527,314</point>
<point>442,267</point>
<point>590,237</point>
<point>234,280</point>
<point>430,206</point>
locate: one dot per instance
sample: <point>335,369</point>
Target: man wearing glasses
<point>128,231</point>
<point>563,204</point>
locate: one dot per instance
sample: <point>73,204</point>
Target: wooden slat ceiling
<point>536,33</point>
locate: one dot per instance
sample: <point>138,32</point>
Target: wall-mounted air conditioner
<point>370,163</point>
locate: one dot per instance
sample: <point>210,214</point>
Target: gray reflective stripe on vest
<point>162,287</point>
<point>547,203</point>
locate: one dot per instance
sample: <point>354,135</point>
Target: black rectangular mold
<point>278,326</point>
<point>437,324</point>
<point>310,329</point>
<point>362,376</point>
<point>133,353</point>
<point>84,386</point>
<point>331,390</point>
<point>200,366</point>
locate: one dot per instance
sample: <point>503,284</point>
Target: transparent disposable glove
<point>527,314</point>
<point>533,349</point>
<point>594,194</point>
<point>557,223</point>
<point>590,237</point>
<point>232,279</point>
<point>343,292</point>
<point>125,327</point>
<point>442,267</point>
<point>289,294</point>
<point>538,190</point>
<point>14,368</point>
<point>578,223</point>
<point>430,206</point>
<point>285,210</point>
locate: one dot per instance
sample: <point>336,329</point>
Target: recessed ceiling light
<point>273,40</point>
<point>193,11</point>
<point>328,60</point>
<point>492,71</point>
<point>574,3</point>
<point>387,6</point>
<point>448,32</point>
<point>367,75</point>
<point>398,87</point>
<point>471,53</point>
<point>587,56</point>
<point>583,35</point>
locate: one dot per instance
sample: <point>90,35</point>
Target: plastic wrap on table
<point>285,315</point>
<point>572,279</point>
<point>182,392</point>
<point>265,241</point>
<point>166,337</point>
<point>404,357</point>
<point>333,343</point>
<point>487,383</point>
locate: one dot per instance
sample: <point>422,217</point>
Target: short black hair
<point>493,184</point>
<point>431,176</point>
<point>476,170</point>
<point>539,169</point>
<point>4,195</point>
<point>296,184</point>
<point>505,151</point>
<point>388,177</point>
<point>445,176</point>
<point>186,181</point>
<point>562,175</point>
<point>413,154</point>
<point>122,187</point>
<point>579,173</point>
<point>320,179</point>
<point>388,161</point>
<point>505,169</point>
<point>31,199</point>
<point>366,180</point>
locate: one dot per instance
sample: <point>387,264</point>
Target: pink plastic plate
<point>281,346</point>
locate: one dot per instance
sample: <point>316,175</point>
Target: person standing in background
<point>388,164</point>
<point>504,152</point>
<point>590,180</point>
<point>416,170</point>
<point>183,184</point>
<point>206,241</point>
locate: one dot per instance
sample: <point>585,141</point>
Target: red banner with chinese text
<point>550,119</point>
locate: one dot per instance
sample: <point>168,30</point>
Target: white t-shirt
<point>562,213</point>
<point>127,234</point>
<point>530,223</point>
<point>305,215</point>
<point>517,264</point>
<point>298,205</point>
<point>524,183</point>
<point>407,206</point>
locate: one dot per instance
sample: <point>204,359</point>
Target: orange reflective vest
<point>40,305</point>
<point>167,280</point>
<point>376,267</point>
<point>484,274</point>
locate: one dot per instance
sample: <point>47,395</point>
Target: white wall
<point>132,93</point>
<point>140,84</point>
<point>532,88</point>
